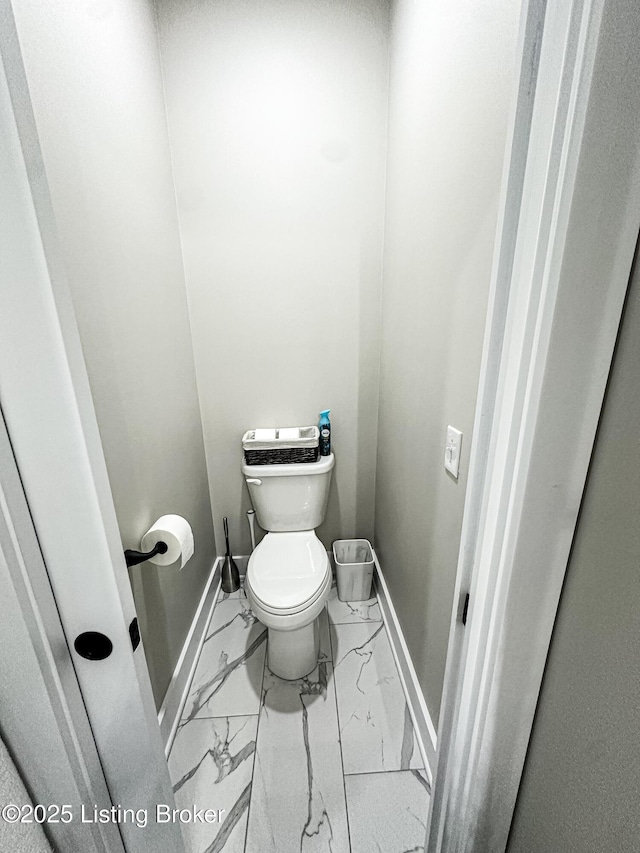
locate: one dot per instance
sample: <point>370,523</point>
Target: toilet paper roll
<point>176,532</point>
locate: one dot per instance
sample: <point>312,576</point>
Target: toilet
<point>289,574</point>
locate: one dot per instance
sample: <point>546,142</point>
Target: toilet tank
<point>290,497</point>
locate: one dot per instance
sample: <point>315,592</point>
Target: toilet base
<point>294,654</point>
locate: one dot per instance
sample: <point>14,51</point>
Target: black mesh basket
<point>281,456</point>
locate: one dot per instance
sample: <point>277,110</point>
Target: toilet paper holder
<point>133,558</point>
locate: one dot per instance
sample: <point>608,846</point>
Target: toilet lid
<point>287,570</point>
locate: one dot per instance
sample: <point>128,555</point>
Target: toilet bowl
<point>289,574</point>
<point>288,582</point>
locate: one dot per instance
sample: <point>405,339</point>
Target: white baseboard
<point>178,689</point>
<point>423,725</point>
<point>241,562</point>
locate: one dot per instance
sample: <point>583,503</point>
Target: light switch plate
<point>452,451</point>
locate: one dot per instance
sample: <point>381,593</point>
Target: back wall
<point>277,120</point>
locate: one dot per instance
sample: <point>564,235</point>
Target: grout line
<point>255,752</point>
<point>335,691</point>
<point>411,770</point>
<point>222,717</point>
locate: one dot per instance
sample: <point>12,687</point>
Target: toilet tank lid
<point>290,469</point>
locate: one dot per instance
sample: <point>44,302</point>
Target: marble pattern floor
<point>328,762</point>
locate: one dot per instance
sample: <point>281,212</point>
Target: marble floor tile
<point>375,726</point>
<point>387,811</point>
<point>297,802</point>
<point>352,611</point>
<point>211,767</point>
<point>228,677</point>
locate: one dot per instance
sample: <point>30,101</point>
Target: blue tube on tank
<point>324,425</point>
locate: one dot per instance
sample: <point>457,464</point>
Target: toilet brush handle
<point>225,525</point>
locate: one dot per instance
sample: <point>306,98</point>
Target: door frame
<point>566,238</point>
<point>52,427</point>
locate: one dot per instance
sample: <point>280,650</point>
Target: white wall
<point>96,85</point>
<point>451,80</point>
<point>579,789</point>
<point>277,118</point>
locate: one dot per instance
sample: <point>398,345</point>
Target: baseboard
<point>424,728</point>
<point>178,690</point>
<point>241,562</point>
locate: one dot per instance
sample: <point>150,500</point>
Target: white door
<point>49,416</point>
<point>45,727</point>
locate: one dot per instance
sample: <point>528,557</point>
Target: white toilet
<point>289,574</point>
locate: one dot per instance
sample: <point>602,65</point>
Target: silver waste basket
<point>354,568</point>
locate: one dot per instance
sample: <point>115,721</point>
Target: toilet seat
<point>288,572</point>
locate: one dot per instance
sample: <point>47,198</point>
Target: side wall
<point>579,791</point>
<point>277,118</point>
<point>96,86</point>
<point>451,80</point>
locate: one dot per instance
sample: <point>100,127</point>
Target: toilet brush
<point>251,518</point>
<point>230,573</point>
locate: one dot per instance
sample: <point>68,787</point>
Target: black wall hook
<point>135,557</point>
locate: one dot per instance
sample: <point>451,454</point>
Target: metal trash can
<point>354,568</point>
